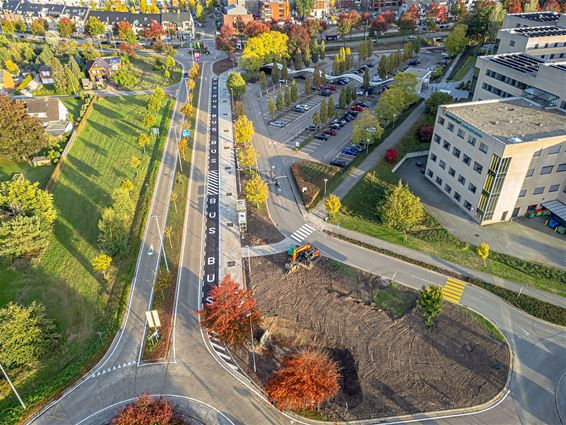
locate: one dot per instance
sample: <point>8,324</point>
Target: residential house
<point>141,21</point>
<point>54,116</point>
<point>45,75</point>
<point>103,67</point>
<point>6,81</point>
<point>274,10</point>
<point>109,19</point>
<point>182,22</point>
<point>232,12</point>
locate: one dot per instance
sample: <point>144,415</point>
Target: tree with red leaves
<point>254,28</point>
<point>388,16</point>
<point>551,6</point>
<point>305,379</point>
<point>408,21</point>
<point>391,155</point>
<point>226,41</point>
<point>129,49</point>
<point>147,410</point>
<point>299,38</point>
<point>230,312</point>
<point>425,133</point>
<point>66,27</point>
<point>516,6</point>
<point>313,27</point>
<point>379,24</point>
<point>438,11</point>
<point>155,31</point>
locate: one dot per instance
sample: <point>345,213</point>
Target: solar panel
<point>541,31</point>
<point>541,16</point>
<point>519,62</point>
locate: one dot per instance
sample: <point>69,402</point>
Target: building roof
<point>76,11</point>
<point>104,62</point>
<point>109,18</point>
<point>46,109</point>
<point>234,9</point>
<point>557,208</point>
<point>143,19</point>
<point>11,5</point>
<point>519,62</point>
<point>513,120</point>
<point>539,16</point>
<point>535,32</point>
<point>176,17</point>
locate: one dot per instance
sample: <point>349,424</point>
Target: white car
<point>376,79</point>
<point>278,124</point>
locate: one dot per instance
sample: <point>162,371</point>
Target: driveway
<point>522,238</point>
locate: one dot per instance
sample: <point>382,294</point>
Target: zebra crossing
<point>302,232</point>
<point>453,290</point>
<point>221,350</point>
<point>213,183</point>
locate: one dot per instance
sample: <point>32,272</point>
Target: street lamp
<point>12,386</point>
<point>325,180</point>
<point>161,242</point>
<point>252,337</point>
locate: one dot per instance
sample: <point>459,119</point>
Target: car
<point>357,108</point>
<point>325,93</point>
<point>376,79</point>
<point>443,62</point>
<point>405,67</point>
<point>278,124</point>
<point>335,126</point>
<point>342,81</point>
<point>301,108</point>
<point>338,163</point>
<point>415,61</point>
<point>311,127</point>
<point>411,37</point>
<point>362,104</point>
<point>330,132</point>
<point>282,81</point>
<point>360,92</point>
<point>419,163</point>
<point>321,136</point>
<point>444,55</point>
<point>342,122</point>
<point>186,75</point>
<point>350,151</point>
<point>331,88</point>
<point>370,64</point>
<point>353,113</point>
<point>347,118</point>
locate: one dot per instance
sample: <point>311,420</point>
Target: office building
<point>274,10</point>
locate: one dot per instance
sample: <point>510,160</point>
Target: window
<point>472,188</point>
<point>433,157</point>
<point>451,171</point>
<point>442,164</point>
<point>437,138</point>
<point>467,205</point>
<point>467,160</point>
<point>472,140</point>
<point>450,127</point>
<point>554,150</point>
<point>530,172</point>
<point>460,133</point>
<point>561,167</point>
<point>438,181</point>
<point>478,168</point>
<point>429,173</point>
<point>456,152</point>
<point>447,188</point>
<point>537,153</point>
<point>546,170</point>
<point>446,145</point>
<point>457,196</point>
<point>538,190</point>
<point>441,121</point>
<point>461,179</point>
<point>512,43</point>
<point>522,193</point>
<point>554,188</point>
<point>483,148</point>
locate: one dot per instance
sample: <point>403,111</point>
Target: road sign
<point>197,57</point>
<point>186,133</point>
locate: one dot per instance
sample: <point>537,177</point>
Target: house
<point>109,19</point>
<point>141,21</point>
<point>6,81</point>
<point>180,21</point>
<point>232,12</point>
<point>45,76</point>
<point>102,67</point>
<point>52,113</point>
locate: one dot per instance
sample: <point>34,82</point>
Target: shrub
<point>425,133</point>
<point>391,155</point>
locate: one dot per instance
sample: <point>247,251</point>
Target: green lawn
<point>73,104</point>
<point>359,213</point>
<point>463,70</point>
<point>9,167</point>
<point>63,280</point>
<point>151,78</point>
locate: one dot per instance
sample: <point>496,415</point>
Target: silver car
<point>278,124</point>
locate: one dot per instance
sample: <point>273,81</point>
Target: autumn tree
<point>142,141</point>
<point>243,130</point>
<point>149,120</point>
<point>255,28</point>
<point>94,27</point>
<point>304,7</point>
<point>308,86</point>
<point>264,48</point>
<point>483,252</point>
<point>21,135</point>
<point>305,379</point>
<point>126,32</point>
<point>148,410</point>
<point>400,209</point>
<point>229,312</point>
<point>101,263</point>
<point>66,27</point>
<point>391,155</point>
<point>247,156</point>
<point>256,191</point>
<point>236,84</point>
<point>39,26</point>
<point>430,303</point>
<point>155,31</point>
<point>280,102</point>
<point>135,163</point>
<point>333,205</point>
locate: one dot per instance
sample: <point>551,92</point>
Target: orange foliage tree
<point>305,379</point>
<point>147,410</point>
<point>230,312</point>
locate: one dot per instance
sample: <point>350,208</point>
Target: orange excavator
<point>302,256</point>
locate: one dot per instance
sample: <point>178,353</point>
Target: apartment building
<point>274,10</point>
<point>498,158</point>
<point>548,42</point>
<point>531,19</point>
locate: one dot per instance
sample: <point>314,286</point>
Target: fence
<point>409,155</point>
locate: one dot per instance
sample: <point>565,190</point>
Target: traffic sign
<point>186,133</point>
<point>197,57</point>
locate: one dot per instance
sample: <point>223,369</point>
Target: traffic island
<point>390,363</point>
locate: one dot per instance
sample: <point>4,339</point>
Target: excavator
<point>302,256</point>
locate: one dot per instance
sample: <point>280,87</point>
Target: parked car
<point>370,64</point>
<point>301,108</point>
<point>376,79</point>
<point>414,61</point>
<point>357,108</point>
<point>353,113</point>
<point>350,151</point>
<point>325,93</point>
<point>278,124</point>
<point>330,132</point>
<point>347,118</point>
<point>311,127</point>
<point>321,136</point>
<point>360,92</point>
<point>331,88</point>
<point>282,81</point>
<point>335,126</point>
<point>342,122</point>
<point>338,163</point>
<point>342,81</point>
<point>445,55</point>
<point>362,104</point>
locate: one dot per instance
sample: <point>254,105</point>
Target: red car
<point>331,88</point>
<point>357,108</point>
<point>330,132</point>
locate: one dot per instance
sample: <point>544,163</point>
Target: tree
<point>264,48</point>
<point>456,40</point>
<point>182,145</point>
<point>154,31</point>
<point>316,77</point>
<point>389,106</point>
<point>256,191</point>
<point>391,155</point>
<point>155,101</point>
<point>366,79</point>
<point>323,112</point>
<point>125,31</point>
<point>39,26</point>
<point>275,73</point>
<point>280,103</point>
<point>304,7</point>
<point>127,185</point>
<point>333,205</point>
<point>271,106</point>
<point>316,119</point>
<point>287,96</point>
<point>308,86</point>
<point>383,68</point>
<point>229,312</point>
<point>343,29</point>
<point>367,128</point>
<point>26,335</point>
<point>94,27</point>
<point>236,84</point>
<point>73,85</point>
<point>298,38</point>
<point>247,156</point>
<point>532,6</point>
<point>483,252</point>
<point>135,163</point>
<point>400,209</point>
<point>114,225</point>
<point>66,27</point>
<point>284,70</point>
<point>101,263</point>
<point>435,100</point>
<point>322,49</point>
<point>125,77</point>
<point>149,120</point>
<point>187,110</point>
<point>243,130</point>
<point>294,94</point>
<point>430,303</point>
<point>142,141</point>
<point>199,11</point>
<point>146,410</point>
<point>21,135</point>
<point>59,76</point>
<point>330,108</point>
<point>262,81</point>
<point>255,28</point>
<point>305,379</point>
<point>405,86</point>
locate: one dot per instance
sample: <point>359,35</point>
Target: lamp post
<point>252,338</point>
<point>12,386</point>
<point>325,180</point>
<point>161,242</point>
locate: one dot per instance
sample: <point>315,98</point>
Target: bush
<point>425,133</point>
<point>437,98</point>
<point>391,155</point>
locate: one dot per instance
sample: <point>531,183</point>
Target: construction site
<point>390,364</point>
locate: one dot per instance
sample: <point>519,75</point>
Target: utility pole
<point>161,242</point>
<point>20,399</point>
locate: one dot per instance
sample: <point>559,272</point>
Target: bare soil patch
<point>220,66</point>
<point>389,366</point>
<point>311,175</point>
<point>261,230</point>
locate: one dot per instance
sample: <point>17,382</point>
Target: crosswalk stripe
<point>217,347</point>
<point>303,233</point>
<point>224,356</point>
<point>312,229</point>
<point>296,238</point>
<point>452,292</point>
<point>453,280</point>
<point>455,285</point>
<point>455,300</point>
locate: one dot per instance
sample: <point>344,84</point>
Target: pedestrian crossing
<point>221,350</point>
<point>213,184</point>
<point>302,232</point>
<point>453,290</point>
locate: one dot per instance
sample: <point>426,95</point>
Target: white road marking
<point>302,232</point>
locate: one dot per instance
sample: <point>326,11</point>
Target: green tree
<point>435,100</point>
<point>280,103</point>
<point>115,223</point>
<point>26,335</point>
<point>456,40</point>
<point>389,106</point>
<point>155,101</point>
<point>59,76</point>
<point>367,128</point>
<point>383,68</point>
<point>405,86</point>
<point>304,7</point>
<point>430,303</point>
<point>275,73</point>
<point>322,49</point>
<point>333,205</point>
<point>330,108</point>
<point>284,70</point>
<point>287,96</point>
<point>263,81</point>
<point>45,56</point>
<point>101,263</point>
<point>66,27</point>
<point>39,26</point>
<point>236,84</point>
<point>73,85</point>
<point>400,209</point>
<point>343,29</point>
<point>323,113</point>
<point>308,86</point>
<point>256,191</point>
<point>316,77</point>
<point>316,119</point>
<point>271,106</point>
<point>294,94</point>
<point>342,99</point>
<point>366,79</point>
<point>483,252</point>
<point>125,77</point>
<point>94,27</point>
<point>75,69</point>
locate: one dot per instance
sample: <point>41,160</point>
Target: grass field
<point>359,214</point>
<point>73,104</point>
<point>463,70</point>
<point>80,302</point>
<point>311,175</point>
<point>151,78</point>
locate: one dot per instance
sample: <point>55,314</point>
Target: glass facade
<point>492,187</point>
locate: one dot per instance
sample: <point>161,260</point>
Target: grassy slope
<point>151,78</point>
<point>63,279</point>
